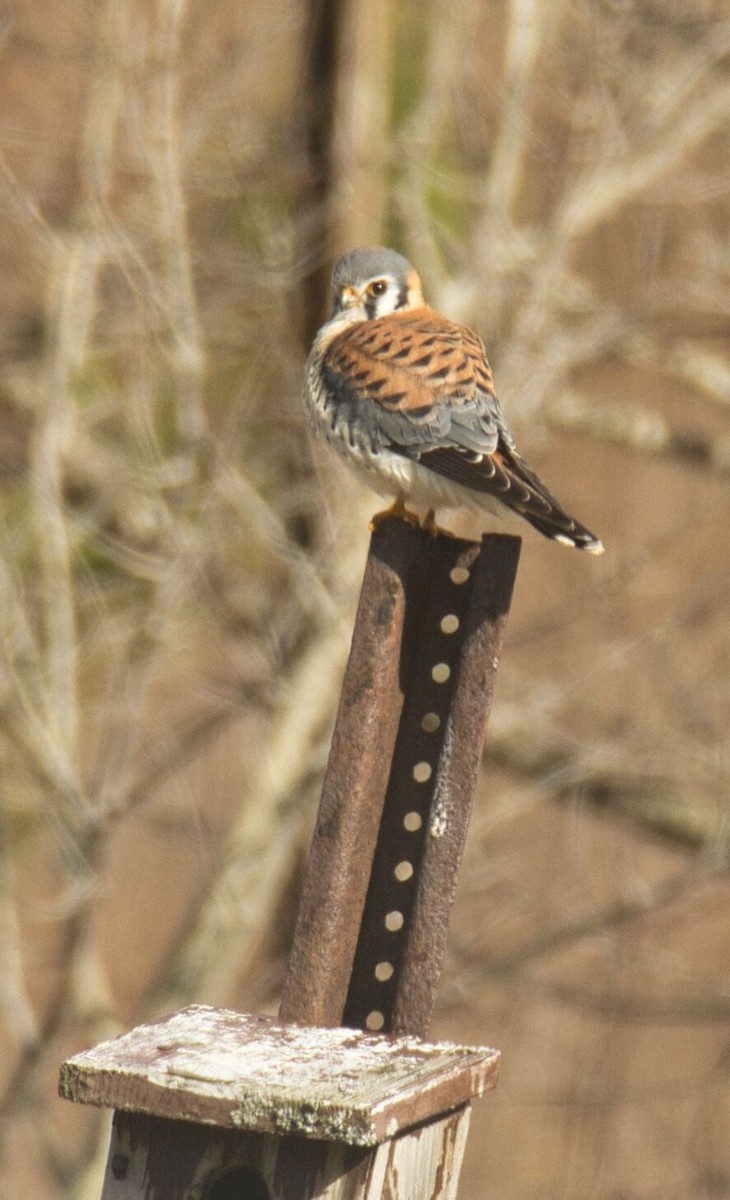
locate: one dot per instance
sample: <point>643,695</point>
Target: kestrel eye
<point>378,287</point>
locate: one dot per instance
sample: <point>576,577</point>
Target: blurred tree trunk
<point>346,79</point>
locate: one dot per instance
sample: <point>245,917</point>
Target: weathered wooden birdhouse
<point>219,1105</point>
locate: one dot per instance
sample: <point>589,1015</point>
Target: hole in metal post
<point>394,921</point>
<point>450,623</point>
<point>374,1020</point>
<point>412,821</point>
<point>383,971</point>
<point>403,871</point>
<point>459,575</point>
<point>430,722</point>
<point>441,672</point>
<point>422,772</point>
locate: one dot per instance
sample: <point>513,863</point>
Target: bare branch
<point>241,885</point>
<point>165,159</point>
<point>612,183</point>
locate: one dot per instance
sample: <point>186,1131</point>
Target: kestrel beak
<point>349,297</point>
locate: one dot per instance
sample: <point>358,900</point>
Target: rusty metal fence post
<point>397,794</point>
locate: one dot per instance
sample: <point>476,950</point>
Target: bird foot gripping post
<point>213,1104</point>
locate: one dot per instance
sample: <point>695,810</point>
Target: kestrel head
<point>372,283</point>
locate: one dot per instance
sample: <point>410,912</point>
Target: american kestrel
<point>407,398</point>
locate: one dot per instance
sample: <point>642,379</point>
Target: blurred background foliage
<point>179,566</point>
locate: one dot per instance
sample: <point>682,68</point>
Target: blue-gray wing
<point>419,385</point>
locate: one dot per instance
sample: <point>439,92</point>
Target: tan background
<point>179,566</point>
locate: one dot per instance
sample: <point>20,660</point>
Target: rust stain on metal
<point>397,794</point>
<point>352,797</point>
<point>456,610</point>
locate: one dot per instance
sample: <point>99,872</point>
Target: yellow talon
<point>432,529</point>
<point>429,525</point>
<point>398,512</point>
